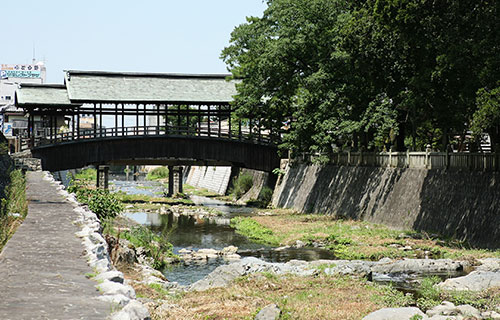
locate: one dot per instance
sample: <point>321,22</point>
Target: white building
<point>12,120</point>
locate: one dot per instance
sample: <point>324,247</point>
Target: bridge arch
<point>157,150</point>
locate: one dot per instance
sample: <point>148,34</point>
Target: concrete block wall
<point>461,204</point>
<point>215,179</point>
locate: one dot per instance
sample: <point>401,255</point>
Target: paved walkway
<point>42,268</point>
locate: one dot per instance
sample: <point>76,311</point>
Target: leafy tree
<point>486,119</point>
<point>367,74</point>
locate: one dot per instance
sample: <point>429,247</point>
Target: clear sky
<point>184,36</point>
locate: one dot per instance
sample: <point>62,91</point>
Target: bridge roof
<point>100,86</point>
<point>49,95</point>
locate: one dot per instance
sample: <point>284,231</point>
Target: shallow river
<point>195,232</point>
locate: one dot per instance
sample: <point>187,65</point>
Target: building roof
<point>99,86</point>
<point>30,94</point>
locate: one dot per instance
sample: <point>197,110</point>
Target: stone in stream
<point>395,314</point>
<point>474,281</point>
<point>420,266</point>
<point>269,312</point>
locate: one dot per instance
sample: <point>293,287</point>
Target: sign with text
<point>20,71</point>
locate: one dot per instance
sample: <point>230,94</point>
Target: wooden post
<point>78,122</point>
<point>106,177</point>
<point>229,120</point>
<point>220,119</point>
<point>98,178</point>
<point>135,173</point>
<point>170,181</point>
<point>180,179</point>
<point>199,120</point>
<point>116,120</point>
<point>123,119</point>
<point>239,129</point>
<point>100,119</point>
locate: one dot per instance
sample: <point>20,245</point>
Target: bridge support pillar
<point>170,181</point>
<point>135,173</point>
<point>174,180</point>
<point>102,180</point>
<point>179,172</point>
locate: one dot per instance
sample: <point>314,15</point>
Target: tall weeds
<point>14,207</point>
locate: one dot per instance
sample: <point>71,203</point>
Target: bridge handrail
<point>212,131</point>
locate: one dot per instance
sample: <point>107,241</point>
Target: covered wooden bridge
<point>102,118</point>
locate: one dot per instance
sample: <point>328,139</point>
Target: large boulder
<point>395,314</point>
<point>474,281</point>
<point>270,312</point>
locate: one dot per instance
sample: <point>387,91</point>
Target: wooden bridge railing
<point>211,131</point>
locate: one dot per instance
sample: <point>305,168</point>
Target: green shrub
<point>87,175</point>
<point>156,245</point>
<point>157,174</point>
<point>265,195</point>
<point>104,204</point>
<point>242,184</point>
<point>428,294</point>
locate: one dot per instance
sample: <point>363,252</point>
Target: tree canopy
<point>371,75</point>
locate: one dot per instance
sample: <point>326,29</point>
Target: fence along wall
<point>461,203</point>
<point>416,160</point>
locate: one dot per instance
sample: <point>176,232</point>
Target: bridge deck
<point>42,267</point>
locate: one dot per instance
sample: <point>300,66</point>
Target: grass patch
<point>206,193</point>
<point>255,231</point>
<point>156,174</point>
<point>350,239</point>
<point>321,297</point>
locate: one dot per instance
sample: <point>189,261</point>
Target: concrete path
<point>42,268</point>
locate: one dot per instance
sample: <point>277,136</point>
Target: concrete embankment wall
<point>215,179</point>
<point>462,204</point>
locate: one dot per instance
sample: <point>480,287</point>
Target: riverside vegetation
<point>319,296</point>
<point>107,206</point>
<point>14,207</point>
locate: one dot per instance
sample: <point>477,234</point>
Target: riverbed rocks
<point>445,311</point>
<point>474,281</point>
<point>395,314</point>
<point>189,256</point>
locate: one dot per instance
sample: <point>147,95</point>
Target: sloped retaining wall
<point>462,204</point>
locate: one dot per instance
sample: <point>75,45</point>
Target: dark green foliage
<point>487,117</point>
<point>103,203</point>
<point>369,75</point>
<point>242,184</point>
<point>266,195</point>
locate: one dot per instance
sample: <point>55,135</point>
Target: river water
<point>196,232</point>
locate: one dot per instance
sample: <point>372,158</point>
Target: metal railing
<point>415,160</point>
<point>212,131</point>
